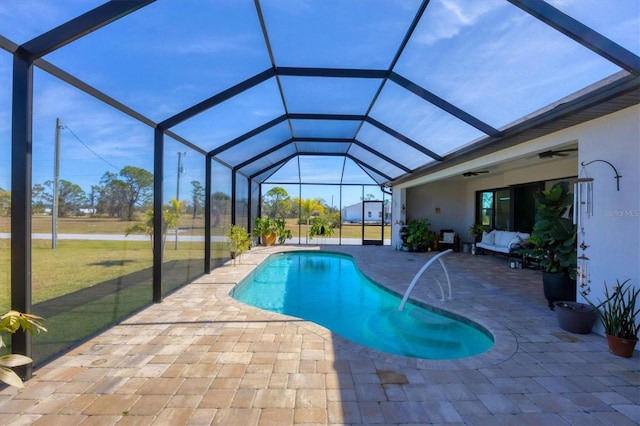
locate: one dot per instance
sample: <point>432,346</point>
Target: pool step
<point>415,331</point>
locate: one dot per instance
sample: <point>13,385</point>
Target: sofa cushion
<point>448,237</point>
<point>493,247</point>
<point>488,238</point>
<point>503,238</point>
<point>515,242</point>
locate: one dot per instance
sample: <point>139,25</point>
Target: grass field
<point>83,286</point>
<point>76,264</point>
<point>97,225</point>
<point>188,226</point>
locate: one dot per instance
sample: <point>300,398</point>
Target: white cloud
<point>95,137</point>
<point>446,18</point>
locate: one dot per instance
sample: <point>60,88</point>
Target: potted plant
<point>475,232</point>
<point>575,317</point>
<point>618,313</point>
<point>271,230</point>
<point>282,233</point>
<point>418,235</point>
<point>265,229</point>
<point>321,226</point>
<point>238,240</point>
<point>11,322</point>
<point>554,239</point>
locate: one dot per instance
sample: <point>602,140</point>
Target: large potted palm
<point>419,234</point>
<point>554,239</point>
<point>271,230</point>
<point>265,229</point>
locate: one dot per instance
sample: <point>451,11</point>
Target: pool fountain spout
<point>437,257</point>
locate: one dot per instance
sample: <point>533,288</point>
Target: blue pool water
<point>328,289</point>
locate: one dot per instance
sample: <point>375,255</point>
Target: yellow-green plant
<point>11,322</point>
<point>238,239</point>
<point>170,218</point>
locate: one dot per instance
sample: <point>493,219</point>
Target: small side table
<point>520,259</point>
<point>516,259</point>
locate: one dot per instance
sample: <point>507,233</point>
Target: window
<point>493,208</point>
<point>502,202</point>
<point>484,211</point>
<point>369,214</point>
<point>509,209</point>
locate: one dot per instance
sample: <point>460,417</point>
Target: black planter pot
<point>575,317</point>
<point>558,287</point>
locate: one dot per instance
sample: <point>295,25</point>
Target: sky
<point>487,57</point>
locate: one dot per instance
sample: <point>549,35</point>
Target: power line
<point>65,126</point>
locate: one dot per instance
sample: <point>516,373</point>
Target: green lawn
<point>187,225</point>
<point>348,230</point>
<point>77,264</point>
<point>98,225</point>
<point>84,286</point>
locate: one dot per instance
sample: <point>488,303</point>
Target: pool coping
<point>504,347</point>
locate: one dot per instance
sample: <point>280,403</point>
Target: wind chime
<point>583,210</point>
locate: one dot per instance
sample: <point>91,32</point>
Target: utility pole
<point>180,170</point>
<point>56,179</point>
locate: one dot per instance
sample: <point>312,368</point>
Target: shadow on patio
<point>201,357</point>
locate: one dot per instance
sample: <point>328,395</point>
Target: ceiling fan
<point>556,153</point>
<point>469,174</point>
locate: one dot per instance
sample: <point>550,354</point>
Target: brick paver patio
<point>201,357</point>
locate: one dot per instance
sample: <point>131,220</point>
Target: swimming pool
<point>328,289</point>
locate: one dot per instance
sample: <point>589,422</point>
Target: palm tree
<point>310,207</point>
<point>170,218</point>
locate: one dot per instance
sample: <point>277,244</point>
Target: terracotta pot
<point>621,347</point>
<point>269,240</point>
<point>575,317</point>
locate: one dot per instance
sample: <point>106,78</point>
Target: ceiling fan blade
<point>469,174</point>
<point>556,153</point>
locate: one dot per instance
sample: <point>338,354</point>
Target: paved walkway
<point>201,357</point>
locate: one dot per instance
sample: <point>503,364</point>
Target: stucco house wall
<point>450,203</point>
<point>612,233</point>
<point>353,213</point>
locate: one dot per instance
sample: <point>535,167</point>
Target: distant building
<point>373,213</point>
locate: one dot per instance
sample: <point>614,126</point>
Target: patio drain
<point>567,338</point>
<point>388,377</point>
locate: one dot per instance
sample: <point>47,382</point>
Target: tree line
<point>276,204</point>
<point>118,195</point>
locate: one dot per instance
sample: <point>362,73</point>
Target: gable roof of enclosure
<point>384,84</point>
